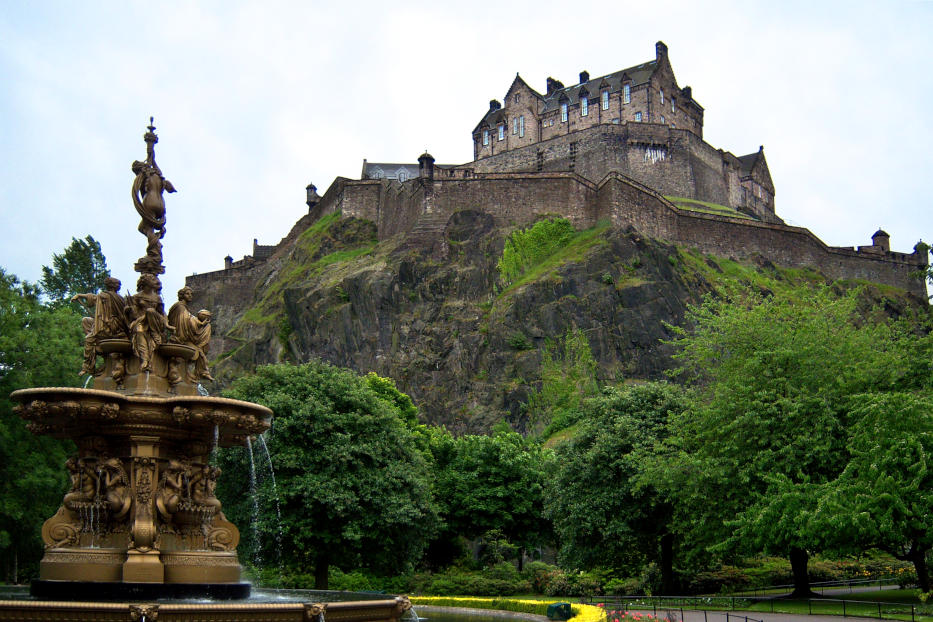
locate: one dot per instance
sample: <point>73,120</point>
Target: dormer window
<point>485,137</point>
<point>502,132</point>
<point>563,112</point>
<point>604,99</point>
<point>584,106</point>
<point>627,93</point>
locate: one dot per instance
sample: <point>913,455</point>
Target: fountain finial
<point>148,187</point>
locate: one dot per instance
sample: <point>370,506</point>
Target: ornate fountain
<point>141,516</point>
<point>141,520</point>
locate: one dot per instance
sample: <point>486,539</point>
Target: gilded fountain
<point>140,519</point>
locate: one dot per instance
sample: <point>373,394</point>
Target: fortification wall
<point>627,203</point>
<point>513,198</point>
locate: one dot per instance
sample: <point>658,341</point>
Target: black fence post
<point>705,619</point>
<point>843,608</point>
<point>879,610</point>
<point>733,603</point>
<point>681,614</point>
<point>810,606</point>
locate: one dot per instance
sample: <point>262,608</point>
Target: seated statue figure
<point>109,321</point>
<point>192,330</point>
<point>147,320</point>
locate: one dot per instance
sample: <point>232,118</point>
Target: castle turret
<point>426,166</point>
<point>660,51</point>
<point>881,240</point>
<point>228,262</point>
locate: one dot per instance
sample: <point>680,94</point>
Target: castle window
<point>627,93</point>
<point>563,112</point>
<point>515,126</point>
<point>672,105</point>
<point>521,126</point>
<point>663,121</point>
<point>662,96</point>
<point>502,132</point>
<point>584,106</point>
<point>638,117</point>
<point>485,137</point>
<point>605,100</point>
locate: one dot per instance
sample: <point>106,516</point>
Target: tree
<point>352,487</point>
<point>491,483</point>
<point>38,347</point>
<point>605,508</point>
<point>884,497</point>
<point>80,269</point>
<point>770,426</point>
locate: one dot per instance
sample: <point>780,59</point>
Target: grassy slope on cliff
<point>470,347</point>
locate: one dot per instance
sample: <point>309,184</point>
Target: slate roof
<point>748,162</point>
<point>639,74</point>
<point>388,170</point>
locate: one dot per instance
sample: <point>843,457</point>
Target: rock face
<point>434,315</point>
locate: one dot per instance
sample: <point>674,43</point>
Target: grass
<point>705,207</point>
<point>575,250</point>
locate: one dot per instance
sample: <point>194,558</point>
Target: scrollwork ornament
<point>148,613</point>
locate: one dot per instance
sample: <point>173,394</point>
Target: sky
<point>254,100</point>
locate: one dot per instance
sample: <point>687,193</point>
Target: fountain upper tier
<point>71,413</point>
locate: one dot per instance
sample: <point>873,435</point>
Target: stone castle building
<point>626,147</point>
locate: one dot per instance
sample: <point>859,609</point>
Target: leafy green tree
<point>38,347</point>
<point>491,483</point>
<point>353,489</point>
<point>606,510</point>
<point>884,497</point>
<point>81,268</point>
<point>774,377</point>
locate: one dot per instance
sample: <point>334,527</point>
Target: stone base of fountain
<point>388,610</point>
<point>122,591</point>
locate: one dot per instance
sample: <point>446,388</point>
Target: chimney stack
<point>554,85</point>
<point>584,77</point>
<point>494,105</point>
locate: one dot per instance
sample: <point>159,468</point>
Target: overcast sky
<point>254,100</point>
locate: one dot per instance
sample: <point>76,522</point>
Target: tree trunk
<point>918,555</point>
<point>521,558</point>
<point>798,566</point>
<point>667,565</point>
<point>321,569</point>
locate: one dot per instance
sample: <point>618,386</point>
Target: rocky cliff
<point>432,312</point>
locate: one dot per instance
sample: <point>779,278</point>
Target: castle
<point>626,147</point>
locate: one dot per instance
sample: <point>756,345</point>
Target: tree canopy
<point>606,511</point>
<point>80,269</point>
<point>39,346</point>
<point>489,483</point>
<point>776,378</point>
<point>352,487</point>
